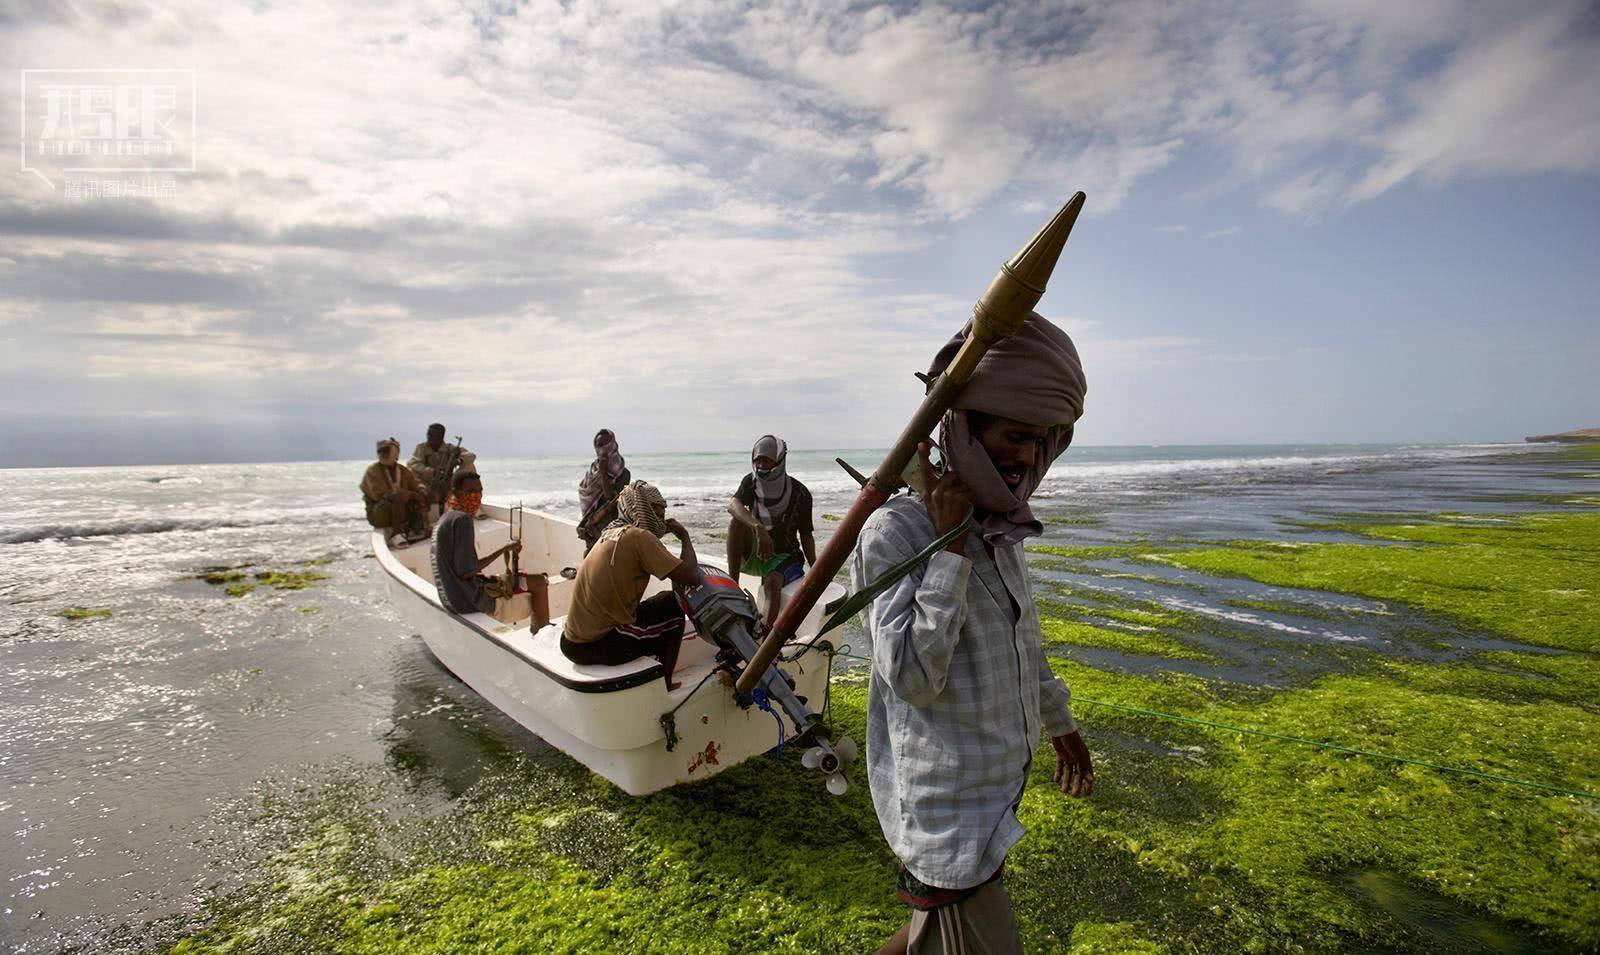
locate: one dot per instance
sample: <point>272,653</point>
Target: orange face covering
<point>468,501</point>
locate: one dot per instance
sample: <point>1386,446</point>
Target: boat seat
<point>545,651</point>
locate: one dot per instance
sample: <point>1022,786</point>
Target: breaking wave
<point>1077,473</point>
<point>125,528</point>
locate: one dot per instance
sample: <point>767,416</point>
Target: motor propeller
<point>833,759</point>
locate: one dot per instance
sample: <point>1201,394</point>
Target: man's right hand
<point>947,498</point>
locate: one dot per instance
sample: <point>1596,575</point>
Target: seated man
<point>597,493</point>
<point>393,495</point>
<point>434,455</point>
<point>608,623</point>
<point>772,511</point>
<point>456,564</point>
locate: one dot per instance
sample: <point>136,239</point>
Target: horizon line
<point>1521,442</point>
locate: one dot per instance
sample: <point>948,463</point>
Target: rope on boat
<point>844,651</point>
<point>1334,747</point>
<point>762,701</point>
<point>669,719</point>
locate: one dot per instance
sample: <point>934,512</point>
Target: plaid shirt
<point>959,682</point>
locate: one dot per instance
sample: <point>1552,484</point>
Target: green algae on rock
<point>757,859</point>
<point>1288,815</point>
<point>1532,579</point>
<point>1113,938</point>
<point>1056,630</point>
<point>218,577</point>
<point>1196,839</point>
<point>85,613</point>
<point>235,583</point>
<point>289,579</point>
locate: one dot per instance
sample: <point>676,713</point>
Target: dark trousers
<point>657,631</point>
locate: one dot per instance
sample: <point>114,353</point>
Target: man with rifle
<point>434,463</point>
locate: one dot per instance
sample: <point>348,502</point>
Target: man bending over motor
<point>771,526</point>
<point>456,564</point>
<point>608,623</point>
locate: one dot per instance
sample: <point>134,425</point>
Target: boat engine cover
<point>719,607</point>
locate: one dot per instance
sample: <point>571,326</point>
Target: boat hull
<point>608,718</point>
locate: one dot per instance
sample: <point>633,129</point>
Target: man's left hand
<point>1074,769</point>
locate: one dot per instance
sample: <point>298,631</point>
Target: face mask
<point>468,501</point>
<point>763,472</point>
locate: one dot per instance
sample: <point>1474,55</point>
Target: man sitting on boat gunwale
<point>433,454</point>
<point>456,564</point>
<point>394,497</point>
<point>608,622</point>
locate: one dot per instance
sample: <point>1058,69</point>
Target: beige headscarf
<point>1034,376</point>
<point>637,507</point>
<point>388,443</point>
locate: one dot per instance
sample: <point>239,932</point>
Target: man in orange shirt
<point>609,622</point>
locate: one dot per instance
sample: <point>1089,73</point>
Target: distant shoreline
<point>1566,437</point>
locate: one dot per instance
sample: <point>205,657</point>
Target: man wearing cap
<point>960,684</point>
<point>393,495</point>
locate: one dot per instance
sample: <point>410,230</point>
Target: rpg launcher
<point>727,614</point>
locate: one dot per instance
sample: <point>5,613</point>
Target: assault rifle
<point>606,499</point>
<point>439,481</point>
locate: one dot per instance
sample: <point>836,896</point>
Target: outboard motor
<point>726,615</point>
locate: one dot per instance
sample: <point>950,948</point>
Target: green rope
<point>1341,749</point>
<point>892,576</point>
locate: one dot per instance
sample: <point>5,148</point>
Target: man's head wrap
<point>1035,377</point>
<point>774,491</point>
<point>388,443</point>
<point>603,470</point>
<point>639,505</point>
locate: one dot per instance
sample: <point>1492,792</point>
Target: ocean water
<point>135,744</point>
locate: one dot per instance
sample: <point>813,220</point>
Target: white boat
<point>607,717</point>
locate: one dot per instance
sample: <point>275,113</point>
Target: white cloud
<point>570,193</point>
<point>1525,99</point>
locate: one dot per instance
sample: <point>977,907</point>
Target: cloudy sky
<point>695,222</point>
